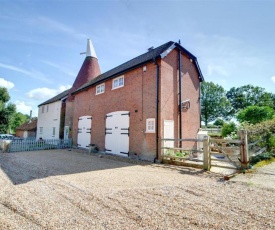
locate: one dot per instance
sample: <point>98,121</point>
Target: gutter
<point>180,94</point>
<point>157,110</point>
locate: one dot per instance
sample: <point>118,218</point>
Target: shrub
<point>228,129</point>
<point>265,156</point>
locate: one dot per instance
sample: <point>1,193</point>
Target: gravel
<point>61,189</point>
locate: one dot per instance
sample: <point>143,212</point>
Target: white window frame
<point>114,86</point>
<point>100,87</point>
<point>150,125</point>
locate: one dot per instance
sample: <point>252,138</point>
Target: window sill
<point>118,87</point>
<point>99,93</point>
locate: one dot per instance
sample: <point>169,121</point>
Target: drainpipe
<point>157,110</point>
<point>180,119</point>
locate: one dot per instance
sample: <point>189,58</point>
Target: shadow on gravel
<point>22,167</point>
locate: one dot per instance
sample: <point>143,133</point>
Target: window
<point>43,108</point>
<point>47,108</point>
<point>53,131</point>
<point>40,130</point>
<point>100,89</point>
<point>118,82</point>
<point>150,125</point>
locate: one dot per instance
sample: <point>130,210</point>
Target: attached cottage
<point>127,110</point>
<point>51,117</point>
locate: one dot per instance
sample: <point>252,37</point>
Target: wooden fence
<point>230,154</point>
<point>44,144</point>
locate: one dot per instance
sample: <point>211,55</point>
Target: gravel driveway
<point>63,189</point>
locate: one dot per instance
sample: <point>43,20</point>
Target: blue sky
<point>41,41</point>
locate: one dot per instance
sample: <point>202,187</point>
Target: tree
<point>6,110</point>
<point>219,122</point>
<point>18,119</point>
<point>249,95</point>
<point>228,128</point>
<point>255,114</point>
<point>214,103</point>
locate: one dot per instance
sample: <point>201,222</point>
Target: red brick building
<point>129,109</point>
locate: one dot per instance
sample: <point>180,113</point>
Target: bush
<point>265,156</point>
<point>255,114</point>
<point>228,129</point>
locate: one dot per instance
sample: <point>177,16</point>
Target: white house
<point>51,114</point>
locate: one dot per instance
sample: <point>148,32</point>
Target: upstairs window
<point>100,89</point>
<point>118,82</point>
<point>40,130</point>
<point>150,125</point>
<point>43,108</point>
<point>47,108</point>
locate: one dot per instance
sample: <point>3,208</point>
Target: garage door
<point>84,131</point>
<point>117,133</point>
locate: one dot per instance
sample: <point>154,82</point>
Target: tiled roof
<point>56,98</point>
<point>28,125</point>
<point>137,61</point>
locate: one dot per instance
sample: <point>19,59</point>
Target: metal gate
<point>117,133</point>
<point>84,131</point>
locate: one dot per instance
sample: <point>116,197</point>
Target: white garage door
<point>84,131</point>
<point>117,133</point>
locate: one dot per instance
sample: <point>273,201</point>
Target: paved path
<point>262,177</point>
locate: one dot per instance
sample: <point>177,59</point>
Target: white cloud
<point>22,107</point>
<point>33,73</point>
<point>273,79</point>
<point>46,93</point>
<point>6,84</point>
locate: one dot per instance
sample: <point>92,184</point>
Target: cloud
<point>60,27</point>
<point>60,68</point>
<point>22,107</point>
<point>273,79</point>
<point>33,73</point>
<point>6,84</point>
<point>46,93</point>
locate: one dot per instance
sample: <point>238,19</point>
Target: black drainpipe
<point>157,110</point>
<point>180,119</point>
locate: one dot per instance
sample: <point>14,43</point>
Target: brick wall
<point>138,96</point>
<point>170,96</point>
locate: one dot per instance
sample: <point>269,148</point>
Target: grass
<point>264,162</point>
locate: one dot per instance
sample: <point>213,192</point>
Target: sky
<point>41,41</point>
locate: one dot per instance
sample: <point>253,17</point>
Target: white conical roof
<point>90,49</point>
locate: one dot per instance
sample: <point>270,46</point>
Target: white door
<point>169,133</point>
<point>117,133</point>
<point>66,132</point>
<point>84,131</point>
<point>25,134</point>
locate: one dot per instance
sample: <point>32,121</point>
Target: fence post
<point>244,150</point>
<point>206,154</point>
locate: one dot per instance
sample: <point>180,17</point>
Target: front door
<point>84,131</point>
<point>169,133</point>
<point>117,133</point>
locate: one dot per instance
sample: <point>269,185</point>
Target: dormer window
<point>118,82</point>
<point>100,89</point>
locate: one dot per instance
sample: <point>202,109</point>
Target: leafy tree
<point>18,119</point>
<point>249,95</point>
<point>255,114</point>
<point>6,110</point>
<point>219,122</point>
<point>228,128</point>
<point>214,103</point>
